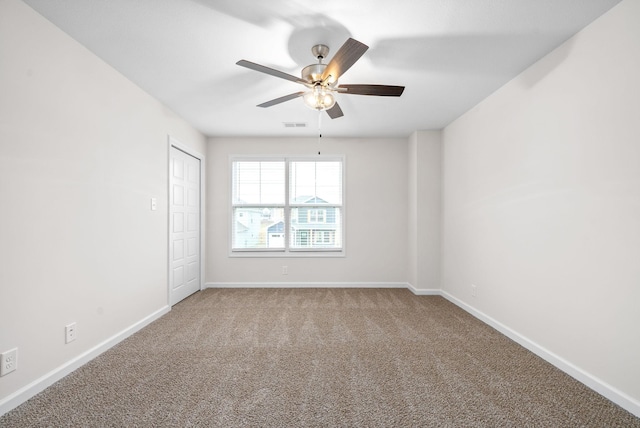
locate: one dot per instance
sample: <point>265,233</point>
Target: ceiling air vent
<point>294,124</point>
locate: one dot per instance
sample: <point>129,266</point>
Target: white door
<point>184,225</point>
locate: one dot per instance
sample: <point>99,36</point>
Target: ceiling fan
<point>321,79</point>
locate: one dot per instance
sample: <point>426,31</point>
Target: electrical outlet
<point>285,270</point>
<point>70,332</point>
<point>9,361</point>
<point>474,290</point>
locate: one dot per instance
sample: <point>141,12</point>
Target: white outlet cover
<point>70,332</point>
<point>8,361</point>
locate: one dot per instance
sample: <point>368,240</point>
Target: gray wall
<point>542,204</point>
<point>375,215</point>
<point>82,151</point>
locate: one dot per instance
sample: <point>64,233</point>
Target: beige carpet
<point>318,357</point>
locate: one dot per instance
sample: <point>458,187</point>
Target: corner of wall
<point>425,209</point>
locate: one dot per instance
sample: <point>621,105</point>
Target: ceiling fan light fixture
<point>319,98</point>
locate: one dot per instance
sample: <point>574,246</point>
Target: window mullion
<point>287,209</point>
<point>260,181</point>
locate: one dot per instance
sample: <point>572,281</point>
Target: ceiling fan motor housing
<point>313,73</point>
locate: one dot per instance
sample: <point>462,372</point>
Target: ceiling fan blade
<point>379,90</point>
<point>271,71</point>
<point>335,111</point>
<point>281,99</point>
<point>345,57</point>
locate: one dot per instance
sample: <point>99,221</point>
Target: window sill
<point>289,254</point>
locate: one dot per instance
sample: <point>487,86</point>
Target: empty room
<point>288,213</point>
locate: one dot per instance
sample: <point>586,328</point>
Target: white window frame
<point>287,251</point>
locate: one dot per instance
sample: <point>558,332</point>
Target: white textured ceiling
<point>450,54</point>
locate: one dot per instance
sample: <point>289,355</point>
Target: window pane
<point>312,182</point>
<point>258,228</point>
<point>258,182</point>
<point>316,228</point>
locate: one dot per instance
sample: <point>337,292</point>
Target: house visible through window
<point>287,205</point>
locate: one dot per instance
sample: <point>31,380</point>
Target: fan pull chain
<point>319,130</point>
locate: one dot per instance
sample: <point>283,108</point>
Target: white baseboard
<point>306,285</point>
<point>598,385</point>
<point>424,291</point>
<point>39,385</point>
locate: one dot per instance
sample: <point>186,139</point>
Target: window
<point>316,215</point>
<point>290,205</point>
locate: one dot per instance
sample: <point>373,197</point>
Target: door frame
<point>173,142</point>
